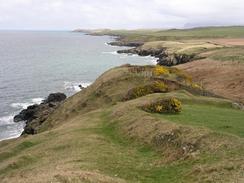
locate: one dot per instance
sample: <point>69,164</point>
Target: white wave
<point>37,100</point>
<point>110,52</point>
<point>21,105</point>
<point>12,130</point>
<point>24,105</point>
<point>5,120</point>
<point>153,61</point>
<point>74,86</point>
<point>8,128</point>
<point>85,84</point>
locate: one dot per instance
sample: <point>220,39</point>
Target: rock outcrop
<point>163,57</point>
<point>36,114</point>
<point>128,44</point>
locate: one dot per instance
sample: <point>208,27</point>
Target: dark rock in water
<point>36,114</point>
<point>26,114</point>
<point>81,87</point>
<point>128,44</point>
<point>55,97</point>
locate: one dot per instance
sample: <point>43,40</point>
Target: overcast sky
<point>131,14</point>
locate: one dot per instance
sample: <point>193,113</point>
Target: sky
<point>118,14</point>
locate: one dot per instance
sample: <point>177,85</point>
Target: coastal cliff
<point>213,56</point>
<point>142,123</point>
<point>134,123</point>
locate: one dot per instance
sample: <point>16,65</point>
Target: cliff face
<point>103,134</point>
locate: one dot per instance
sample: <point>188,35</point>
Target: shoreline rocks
<point>128,44</point>
<point>36,114</point>
<point>163,57</point>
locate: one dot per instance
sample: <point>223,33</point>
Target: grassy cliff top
<point>221,40</point>
<point>102,134</point>
<point>176,34</point>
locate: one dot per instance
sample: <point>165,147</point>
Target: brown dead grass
<point>228,42</point>
<point>223,78</point>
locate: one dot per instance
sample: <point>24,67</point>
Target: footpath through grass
<point>135,162</point>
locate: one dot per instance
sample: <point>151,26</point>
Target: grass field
<point>177,34</point>
<point>221,119</point>
<point>92,150</point>
<point>229,54</point>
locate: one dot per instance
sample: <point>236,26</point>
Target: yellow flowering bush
<point>155,87</point>
<point>160,70</point>
<point>170,105</point>
<point>160,86</point>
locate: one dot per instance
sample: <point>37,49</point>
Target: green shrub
<point>170,105</point>
<point>155,87</point>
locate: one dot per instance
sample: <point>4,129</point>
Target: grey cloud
<point>69,14</point>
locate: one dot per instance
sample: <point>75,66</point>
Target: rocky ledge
<point>128,44</point>
<point>162,55</point>
<point>36,114</point>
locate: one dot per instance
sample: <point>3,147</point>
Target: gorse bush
<point>160,86</point>
<point>160,71</point>
<point>155,87</point>
<point>170,105</point>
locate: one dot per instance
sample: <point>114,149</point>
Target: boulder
<point>26,114</point>
<point>55,97</point>
<point>81,87</point>
<point>36,114</point>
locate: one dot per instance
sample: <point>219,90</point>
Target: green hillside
<point>103,134</point>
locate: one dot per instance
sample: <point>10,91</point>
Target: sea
<point>34,64</point>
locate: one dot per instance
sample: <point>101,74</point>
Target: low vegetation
<point>169,106</point>
<point>161,136</point>
<point>147,124</point>
<point>175,34</point>
<point>229,54</point>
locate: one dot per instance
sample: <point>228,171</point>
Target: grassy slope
<point>111,141</point>
<point>229,54</point>
<point>197,40</point>
<point>177,34</point>
<point>216,49</point>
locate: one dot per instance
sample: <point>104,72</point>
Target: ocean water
<point>35,63</point>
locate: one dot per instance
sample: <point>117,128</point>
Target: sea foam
<point>110,52</point>
<point>24,105</point>
<point>74,86</point>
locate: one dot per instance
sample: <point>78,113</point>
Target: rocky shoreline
<point>164,58</point>
<point>36,114</point>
